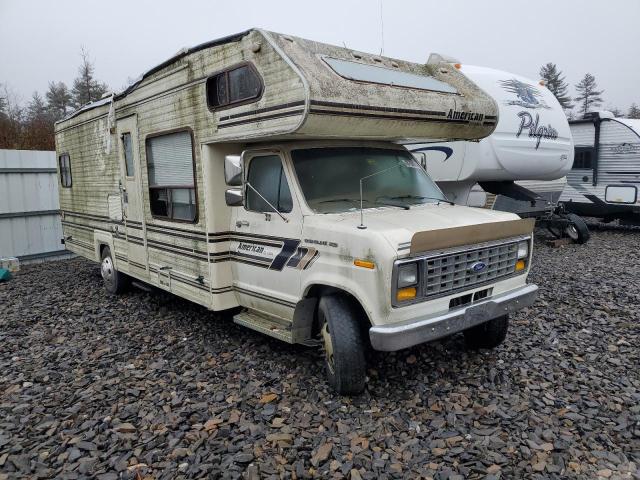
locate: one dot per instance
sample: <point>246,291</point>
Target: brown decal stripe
<point>282,106</point>
<point>265,297</point>
<point>274,116</point>
<point>79,243</point>
<point>344,113</point>
<point>374,108</point>
<point>84,227</point>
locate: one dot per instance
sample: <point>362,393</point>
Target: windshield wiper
<point>399,205</point>
<point>418,197</point>
<point>403,206</point>
<point>340,200</point>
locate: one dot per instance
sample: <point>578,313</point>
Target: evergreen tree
<point>555,82</point>
<point>3,106</point>
<point>58,100</point>
<point>634,111</point>
<point>588,94</point>
<point>36,110</point>
<point>85,87</point>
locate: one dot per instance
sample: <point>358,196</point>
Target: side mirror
<point>233,170</point>
<point>233,197</point>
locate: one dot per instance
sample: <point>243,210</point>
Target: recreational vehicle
<point>605,177</point>
<point>522,163</point>
<point>261,173</point>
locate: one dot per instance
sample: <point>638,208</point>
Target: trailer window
<point>236,85</point>
<point>267,176</point>
<point>172,191</point>
<point>65,170</point>
<point>583,158</point>
<point>127,147</point>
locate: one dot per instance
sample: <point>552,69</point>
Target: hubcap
<point>328,345</point>
<point>107,270</point>
<point>572,232</point>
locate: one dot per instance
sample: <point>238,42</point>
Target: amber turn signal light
<point>408,293</point>
<point>520,264</point>
<point>364,263</point>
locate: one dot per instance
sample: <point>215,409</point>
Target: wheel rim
<point>572,232</point>
<point>107,270</point>
<point>328,346</point>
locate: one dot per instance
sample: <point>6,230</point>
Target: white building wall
<point>29,220</point>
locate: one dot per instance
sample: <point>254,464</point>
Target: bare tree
<point>616,111</point>
<point>588,94</point>
<point>634,111</point>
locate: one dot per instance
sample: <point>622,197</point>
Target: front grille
<point>449,273</point>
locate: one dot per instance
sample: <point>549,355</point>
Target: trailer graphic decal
<point>535,131</point>
<point>528,96</point>
<point>448,151</point>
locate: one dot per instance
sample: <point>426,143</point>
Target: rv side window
<point>65,170</point>
<point>582,158</point>
<point>267,176</point>
<point>233,86</point>
<point>127,147</point>
<point>172,191</point>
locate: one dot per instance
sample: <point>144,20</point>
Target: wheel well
<point>101,248</point>
<point>317,291</point>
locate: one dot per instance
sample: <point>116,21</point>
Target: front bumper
<point>420,330</point>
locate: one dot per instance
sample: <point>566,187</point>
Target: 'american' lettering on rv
<point>535,131</point>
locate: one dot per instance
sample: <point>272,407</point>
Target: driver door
<point>263,242</point>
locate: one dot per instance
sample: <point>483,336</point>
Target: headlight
<point>407,275</point>
<point>523,249</point>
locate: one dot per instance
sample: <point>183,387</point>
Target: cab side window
<point>266,175</point>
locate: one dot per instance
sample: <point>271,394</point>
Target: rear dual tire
<point>115,282</point>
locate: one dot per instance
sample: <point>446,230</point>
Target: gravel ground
<point>151,386</point>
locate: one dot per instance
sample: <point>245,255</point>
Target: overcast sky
<point>41,40</point>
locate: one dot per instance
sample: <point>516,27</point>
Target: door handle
<point>242,223</point>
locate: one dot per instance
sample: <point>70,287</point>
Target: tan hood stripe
<point>457,236</point>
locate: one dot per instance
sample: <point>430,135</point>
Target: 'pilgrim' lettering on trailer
<point>536,131</point>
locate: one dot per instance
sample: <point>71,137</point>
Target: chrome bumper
<point>420,330</point>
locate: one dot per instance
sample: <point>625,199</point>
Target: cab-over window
<point>236,85</point>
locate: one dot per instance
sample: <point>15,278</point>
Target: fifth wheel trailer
<point>605,177</point>
<point>261,172</point>
<point>523,162</point>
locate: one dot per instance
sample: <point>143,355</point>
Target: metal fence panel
<point>29,210</point>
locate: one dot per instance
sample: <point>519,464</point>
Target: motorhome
<point>522,165</point>
<point>605,177</point>
<point>261,172</point>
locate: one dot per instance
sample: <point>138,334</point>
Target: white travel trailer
<point>260,172</point>
<point>605,178</point>
<point>523,162</point>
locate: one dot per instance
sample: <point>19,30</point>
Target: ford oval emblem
<point>478,267</point>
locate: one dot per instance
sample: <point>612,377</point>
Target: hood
<point>398,226</point>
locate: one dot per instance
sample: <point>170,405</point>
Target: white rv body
<point>233,174</point>
<point>532,140</point>
<point>605,178</point>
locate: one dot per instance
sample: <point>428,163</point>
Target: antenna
<point>381,30</point>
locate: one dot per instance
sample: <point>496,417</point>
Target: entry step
<point>272,326</point>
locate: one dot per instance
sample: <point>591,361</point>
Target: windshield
<point>330,179</point>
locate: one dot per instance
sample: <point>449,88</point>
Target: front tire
<point>487,335</point>
<point>115,282</point>
<point>344,344</point>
